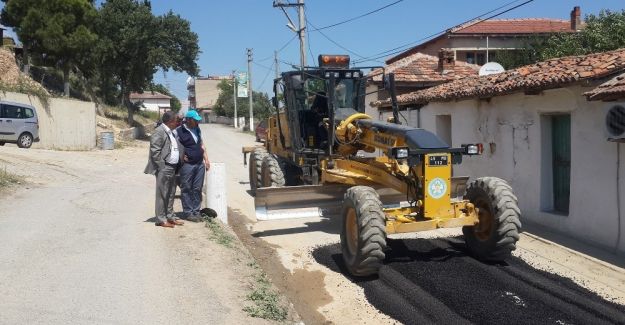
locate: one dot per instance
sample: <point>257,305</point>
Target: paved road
<point>297,256</point>
<point>79,248</point>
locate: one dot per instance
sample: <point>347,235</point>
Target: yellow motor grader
<point>321,151</point>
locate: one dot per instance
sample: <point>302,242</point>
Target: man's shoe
<point>195,218</point>
<point>177,222</point>
<point>165,224</point>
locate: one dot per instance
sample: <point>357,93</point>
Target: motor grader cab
<point>320,153</point>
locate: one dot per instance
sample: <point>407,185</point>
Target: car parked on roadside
<point>18,124</point>
<point>261,131</point>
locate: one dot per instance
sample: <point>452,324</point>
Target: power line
<point>357,17</point>
<point>265,78</point>
<point>334,42</point>
<point>403,47</point>
<point>262,65</point>
<point>281,49</point>
<point>312,56</point>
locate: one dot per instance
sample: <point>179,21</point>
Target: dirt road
<point>290,252</point>
<point>78,247</point>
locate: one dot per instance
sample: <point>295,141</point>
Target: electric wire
<point>357,17</point>
<point>261,65</point>
<point>402,48</point>
<point>312,56</point>
<point>281,48</point>
<point>334,42</point>
<point>265,78</point>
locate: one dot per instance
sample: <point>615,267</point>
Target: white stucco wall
<point>512,133</point>
<point>66,124</point>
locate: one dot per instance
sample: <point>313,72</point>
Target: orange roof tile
<point>423,68</point>
<point>149,95</point>
<point>610,90</point>
<point>514,26</point>
<point>554,73</point>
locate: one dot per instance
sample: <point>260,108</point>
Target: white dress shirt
<point>192,133</point>
<point>174,156</point>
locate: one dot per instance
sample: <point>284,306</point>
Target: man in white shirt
<point>195,166</point>
<point>166,156</point>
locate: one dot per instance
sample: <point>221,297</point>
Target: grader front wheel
<point>273,171</point>
<point>255,168</point>
<point>495,236</point>
<point>363,236</point>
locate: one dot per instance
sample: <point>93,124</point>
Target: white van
<point>18,124</point>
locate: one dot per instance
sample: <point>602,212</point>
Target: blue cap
<point>194,115</point>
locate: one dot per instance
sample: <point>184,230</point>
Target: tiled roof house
<point>540,76</point>
<point>553,130</point>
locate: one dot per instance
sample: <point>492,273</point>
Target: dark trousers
<point>191,184</point>
<point>165,191</point>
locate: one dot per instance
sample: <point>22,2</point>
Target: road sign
<point>242,85</point>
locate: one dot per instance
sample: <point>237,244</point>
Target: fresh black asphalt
<point>437,281</point>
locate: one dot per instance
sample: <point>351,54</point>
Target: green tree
<point>58,30</point>
<point>134,44</point>
<point>12,15</point>
<point>601,33</point>
<point>224,106</point>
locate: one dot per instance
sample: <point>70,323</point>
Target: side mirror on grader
<point>313,162</point>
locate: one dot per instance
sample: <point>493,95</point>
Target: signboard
<point>242,85</point>
<point>491,68</point>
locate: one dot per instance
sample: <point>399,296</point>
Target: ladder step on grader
<point>320,155</point>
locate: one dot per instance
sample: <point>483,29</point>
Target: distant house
<point>418,71</point>
<point>203,93</point>
<point>477,42</point>
<point>152,101</point>
<point>461,50</point>
<point>545,129</point>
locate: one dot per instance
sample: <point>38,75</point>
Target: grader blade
<point>274,203</point>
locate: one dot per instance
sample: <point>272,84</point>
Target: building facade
<point>152,101</point>
<point>203,93</point>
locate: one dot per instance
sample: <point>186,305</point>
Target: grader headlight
<point>473,149</point>
<point>399,152</point>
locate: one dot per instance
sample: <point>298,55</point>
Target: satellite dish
<point>491,68</point>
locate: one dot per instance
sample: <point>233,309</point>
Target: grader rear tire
<point>273,171</point>
<point>363,236</point>
<point>495,237</point>
<point>255,168</point>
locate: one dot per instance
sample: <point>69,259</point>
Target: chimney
<point>576,18</point>
<point>446,60</point>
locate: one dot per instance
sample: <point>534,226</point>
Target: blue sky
<point>227,28</point>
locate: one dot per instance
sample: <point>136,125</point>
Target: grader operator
<point>316,156</point>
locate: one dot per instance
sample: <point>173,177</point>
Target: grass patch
<point>8,179</point>
<point>118,116</point>
<point>266,302</point>
<point>218,234</point>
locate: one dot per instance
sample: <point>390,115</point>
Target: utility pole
<point>250,92</point>
<point>301,32</point>
<point>276,89</point>
<point>234,98</point>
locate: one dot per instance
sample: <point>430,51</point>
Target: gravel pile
<point>11,76</point>
<point>435,281</point>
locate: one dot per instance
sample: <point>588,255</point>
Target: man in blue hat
<point>195,166</point>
